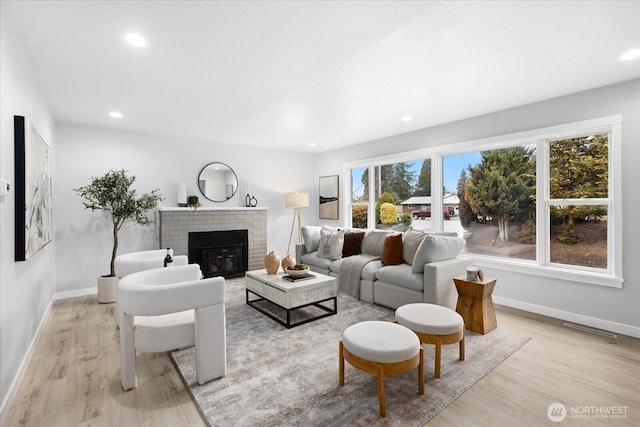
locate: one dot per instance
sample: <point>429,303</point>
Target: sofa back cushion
<point>392,249</point>
<point>436,248</point>
<point>373,242</point>
<point>311,237</point>
<point>331,243</point>
<point>352,243</point>
<point>410,242</point>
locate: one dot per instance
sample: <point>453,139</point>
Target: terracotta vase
<point>272,262</point>
<point>288,261</point>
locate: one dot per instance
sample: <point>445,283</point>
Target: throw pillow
<point>410,242</point>
<point>311,237</point>
<point>352,243</point>
<point>436,248</point>
<point>392,250</point>
<point>331,243</point>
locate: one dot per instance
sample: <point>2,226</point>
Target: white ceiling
<point>336,73</point>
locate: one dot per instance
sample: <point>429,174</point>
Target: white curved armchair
<point>170,308</point>
<point>134,262</point>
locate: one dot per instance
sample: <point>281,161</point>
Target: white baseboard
<point>17,380</point>
<point>75,293</point>
<point>593,322</point>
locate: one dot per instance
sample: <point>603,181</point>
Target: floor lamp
<point>296,201</point>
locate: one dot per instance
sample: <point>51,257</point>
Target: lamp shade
<point>296,200</point>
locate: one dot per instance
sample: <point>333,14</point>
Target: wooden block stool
<point>382,348</point>
<point>433,324</point>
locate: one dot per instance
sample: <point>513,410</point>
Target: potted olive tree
<point>112,194</point>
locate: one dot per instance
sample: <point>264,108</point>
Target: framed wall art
<point>329,197</point>
<point>33,191</point>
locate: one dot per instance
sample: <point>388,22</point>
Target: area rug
<point>289,377</point>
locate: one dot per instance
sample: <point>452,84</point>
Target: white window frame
<point>611,276</point>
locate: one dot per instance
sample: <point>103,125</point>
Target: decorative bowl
<point>297,273</point>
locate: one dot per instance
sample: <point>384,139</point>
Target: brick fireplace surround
<point>176,223</point>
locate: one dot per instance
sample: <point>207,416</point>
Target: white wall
<point>27,287</point>
<point>84,238</point>
<point>608,308</point>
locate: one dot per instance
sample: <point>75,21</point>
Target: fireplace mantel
<point>209,208</point>
<point>176,223</point>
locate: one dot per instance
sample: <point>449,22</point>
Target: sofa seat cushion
<point>152,332</point>
<point>313,259</point>
<point>368,271</point>
<point>335,265</point>
<point>401,275</point>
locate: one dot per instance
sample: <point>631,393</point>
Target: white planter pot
<point>107,289</point>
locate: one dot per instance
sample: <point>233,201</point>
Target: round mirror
<point>217,182</point>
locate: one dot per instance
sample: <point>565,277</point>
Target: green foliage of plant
<point>385,197</point>
<point>401,181</point>
<point>464,209</point>
<point>113,195</point>
<point>397,179</point>
<point>359,215</point>
<point>502,186</point>
<point>527,233</point>
<point>388,213</point>
<point>193,201</point>
<point>569,235</point>
<point>423,187</point>
<point>406,219</point>
<point>578,169</point>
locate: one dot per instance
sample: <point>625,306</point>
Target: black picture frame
<point>33,190</point>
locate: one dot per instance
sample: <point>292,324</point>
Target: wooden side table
<point>475,304</point>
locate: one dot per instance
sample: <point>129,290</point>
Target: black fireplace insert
<point>220,253</point>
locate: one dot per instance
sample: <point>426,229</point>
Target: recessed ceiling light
<point>135,40</point>
<point>406,118</point>
<point>116,114</point>
<point>630,54</point>
<point>312,144</point>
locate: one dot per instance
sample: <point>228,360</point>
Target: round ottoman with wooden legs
<point>433,324</point>
<point>381,348</point>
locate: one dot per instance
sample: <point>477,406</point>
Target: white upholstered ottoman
<point>433,324</point>
<point>382,348</point>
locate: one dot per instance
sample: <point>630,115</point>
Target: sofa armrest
<point>438,281</point>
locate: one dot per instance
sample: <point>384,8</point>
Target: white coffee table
<point>292,295</point>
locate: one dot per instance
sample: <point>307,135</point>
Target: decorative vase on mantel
<point>272,262</point>
<point>288,261</point>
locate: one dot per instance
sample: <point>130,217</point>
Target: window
<point>495,195</point>
<point>359,198</point>
<point>578,201</point>
<point>541,201</point>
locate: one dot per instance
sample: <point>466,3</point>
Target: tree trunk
<point>503,229</point>
<point>115,249</point>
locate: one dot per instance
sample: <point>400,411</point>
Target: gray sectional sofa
<point>425,272</point>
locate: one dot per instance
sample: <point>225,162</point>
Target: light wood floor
<point>73,378</point>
